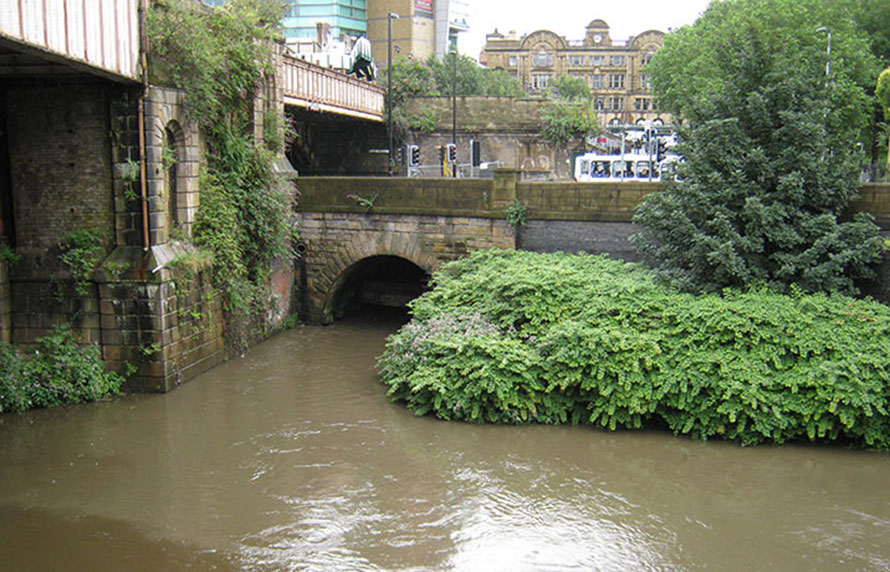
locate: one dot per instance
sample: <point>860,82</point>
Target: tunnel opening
<point>378,284</point>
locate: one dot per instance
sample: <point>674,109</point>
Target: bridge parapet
<point>319,89</point>
<point>483,198</point>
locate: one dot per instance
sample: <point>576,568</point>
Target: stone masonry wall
<point>336,241</point>
<point>506,128</point>
<point>170,328</point>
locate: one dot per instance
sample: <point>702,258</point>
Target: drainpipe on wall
<point>143,185</point>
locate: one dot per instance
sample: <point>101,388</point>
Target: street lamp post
<point>828,64</point>
<point>390,17</point>
<point>454,107</point>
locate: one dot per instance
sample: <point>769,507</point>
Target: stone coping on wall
<point>486,198</point>
<point>154,265</point>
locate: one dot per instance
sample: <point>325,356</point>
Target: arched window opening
<point>170,160</point>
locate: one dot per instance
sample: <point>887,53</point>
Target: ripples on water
<point>293,459</point>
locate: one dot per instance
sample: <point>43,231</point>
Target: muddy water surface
<point>292,458</point>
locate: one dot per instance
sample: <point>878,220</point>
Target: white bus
<point>627,167</point>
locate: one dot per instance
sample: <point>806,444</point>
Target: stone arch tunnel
<point>379,281</point>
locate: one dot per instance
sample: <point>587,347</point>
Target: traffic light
<point>659,155</point>
<point>442,155</point>
<point>475,153</point>
<point>401,158</point>
<point>413,155</point>
<point>452,153</point>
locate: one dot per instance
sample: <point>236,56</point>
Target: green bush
<point>58,372</point>
<point>515,337</point>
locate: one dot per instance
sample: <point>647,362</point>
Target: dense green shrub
<point>58,372</point>
<point>771,150</point>
<point>521,337</point>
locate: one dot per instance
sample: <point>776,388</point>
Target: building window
<point>616,61</point>
<point>641,104</point>
<point>576,61</point>
<point>599,104</point>
<point>511,61</point>
<point>597,81</point>
<point>540,80</point>
<point>542,59</point>
<point>598,61</point>
<point>616,81</point>
<point>169,159</point>
<point>616,103</point>
<point>644,81</point>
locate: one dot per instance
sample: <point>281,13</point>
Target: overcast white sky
<point>569,18</point>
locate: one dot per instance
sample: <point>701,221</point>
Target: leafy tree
<point>410,78</point>
<point>568,88</point>
<point>873,16</point>
<point>471,78</point>
<point>500,83</point>
<point>570,112</point>
<point>433,77</point>
<point>771,160</point>
<point>561,121</point>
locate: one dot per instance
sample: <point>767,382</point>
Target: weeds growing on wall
<point>518,337</point>
<point>220,58</point>
<point>59,371</point>
<point>80,252</point>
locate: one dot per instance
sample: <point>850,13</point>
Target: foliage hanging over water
<point>220,58</point>
<point>59,371</point>
<point>519,337</point>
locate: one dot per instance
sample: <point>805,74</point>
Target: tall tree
<point>770,147</point>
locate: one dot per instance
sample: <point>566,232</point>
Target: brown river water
<point>293,458</point>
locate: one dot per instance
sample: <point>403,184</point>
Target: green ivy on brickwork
<point>220,57</point>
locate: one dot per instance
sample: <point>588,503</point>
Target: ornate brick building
<point>614,70</point>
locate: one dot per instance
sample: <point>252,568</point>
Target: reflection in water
<point>293,459</point>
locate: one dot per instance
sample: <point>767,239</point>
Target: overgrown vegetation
<point>59,371</point>
<point>80,252</point>
<point>519,337</point>
<point>515,214</point>
<point>771,152</point>
<point>570,111</point>
<point>433,77</point>
<point>220,58</point>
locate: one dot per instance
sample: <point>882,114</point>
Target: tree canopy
<point>770,144</point>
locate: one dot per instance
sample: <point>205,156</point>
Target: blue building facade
<point>348,17</point>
